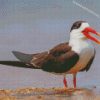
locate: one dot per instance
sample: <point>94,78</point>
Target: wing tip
<point>16,54</point>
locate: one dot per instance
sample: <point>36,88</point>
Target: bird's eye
<point>76,25</point>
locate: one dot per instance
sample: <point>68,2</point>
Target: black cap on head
<point>76,25</point>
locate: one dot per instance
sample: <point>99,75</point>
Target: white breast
<point>85,50</point>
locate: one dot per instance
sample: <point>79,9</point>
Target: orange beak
<point>87,32</point>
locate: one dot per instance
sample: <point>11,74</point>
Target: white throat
<point>80,44</point>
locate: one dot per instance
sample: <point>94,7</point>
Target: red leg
<point>65,82</point>
<point>74,80</point>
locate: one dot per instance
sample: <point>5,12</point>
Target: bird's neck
<point>78,44</point>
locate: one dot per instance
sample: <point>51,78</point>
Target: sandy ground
<point>49,94</point>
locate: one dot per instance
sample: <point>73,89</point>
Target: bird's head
<point>81,29</point>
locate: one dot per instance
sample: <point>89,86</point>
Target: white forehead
<point>83,26</point>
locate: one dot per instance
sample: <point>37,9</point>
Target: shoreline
<point>32,93</point>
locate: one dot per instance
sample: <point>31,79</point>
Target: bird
<point>70,57</point>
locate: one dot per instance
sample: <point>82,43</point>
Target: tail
<point>16,64</point>
<point>24,60</point>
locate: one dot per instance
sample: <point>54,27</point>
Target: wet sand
<point>49,94</point>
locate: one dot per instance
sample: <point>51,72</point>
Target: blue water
<point>37,25</point>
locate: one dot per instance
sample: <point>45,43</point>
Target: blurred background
<point>33,26</point>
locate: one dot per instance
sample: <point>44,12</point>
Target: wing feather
<point>60,49</point>
<point>61,59</point>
